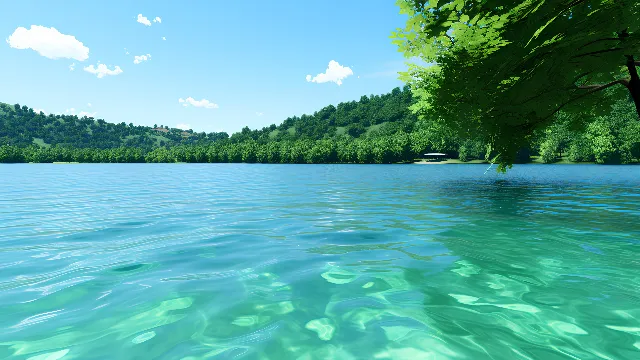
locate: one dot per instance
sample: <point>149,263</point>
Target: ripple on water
<point>316,262</point>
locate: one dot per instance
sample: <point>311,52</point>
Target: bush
<point>548,150</point>
<point>463,153</point>
<point>471,150</point>
<point>580,150</point>
<point>605,143</point>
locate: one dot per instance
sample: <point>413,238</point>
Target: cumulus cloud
<point>143,20</point>
<point>72,111</point>
<point>87,114</point>
<point>72,67</point>
<point>204,103</point>
<point>259,113</point>
<point>38,111</point>
<point>49,43</point>
<point>183,126</point>
<point>140,58</point>
<point>164,38</point>
<point>334,73</point>
<point>157,19</point>
<point>89,104</point>
<point>102,70</point>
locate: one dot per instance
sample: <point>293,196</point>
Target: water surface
<point>234,261</point>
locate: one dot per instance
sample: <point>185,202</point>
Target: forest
<point>377,129</point>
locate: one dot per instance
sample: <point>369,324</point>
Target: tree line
<point>388,149</point>
<point>378,129</point>
<point>611,139</point>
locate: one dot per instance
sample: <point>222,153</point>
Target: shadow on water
<point>128,268</point>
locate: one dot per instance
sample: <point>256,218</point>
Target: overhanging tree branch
<point>581,76</point>
<point>634,82</point>
<point>596,53</point>
<point>599,87</point>
<point>591,90</point>
<point>596,41</point>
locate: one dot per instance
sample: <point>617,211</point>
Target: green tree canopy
<point>499,70</point>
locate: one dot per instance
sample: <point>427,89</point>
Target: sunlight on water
<point>319,262</point>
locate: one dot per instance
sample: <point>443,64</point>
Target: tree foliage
<point>500,70</point>
<point>610,139</point>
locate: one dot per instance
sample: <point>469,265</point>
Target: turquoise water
<point>175,261</point>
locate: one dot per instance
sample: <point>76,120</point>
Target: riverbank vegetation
<point>376,129</point>
<point>553,73</point>
<point>611,139</point>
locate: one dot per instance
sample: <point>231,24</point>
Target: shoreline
<point>481,162</point>
<point>534,160</point>
<point>450,162</point>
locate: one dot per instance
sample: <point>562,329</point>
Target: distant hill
<point>387,113</point>
<point>21,126</point>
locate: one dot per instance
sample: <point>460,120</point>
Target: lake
<point>239,261</point>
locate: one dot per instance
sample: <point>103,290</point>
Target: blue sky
<point>233,63</point>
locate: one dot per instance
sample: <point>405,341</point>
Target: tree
<point>498,70</point>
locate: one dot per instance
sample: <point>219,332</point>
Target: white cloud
<point>140,58</point>
<point>164,38</point>
<point>87,114</point>
<point>89,104</point>
<point>38,111</point>
<point>102,70</point>
<point>49,43</point>
<point>198,103</point>
<point>72,111</point>
<point>157,19</point>
<point>72,67</point>
<point>143,20</point>
<point>183,126</point>
<point>334,73</point>
<point>259,113</point>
